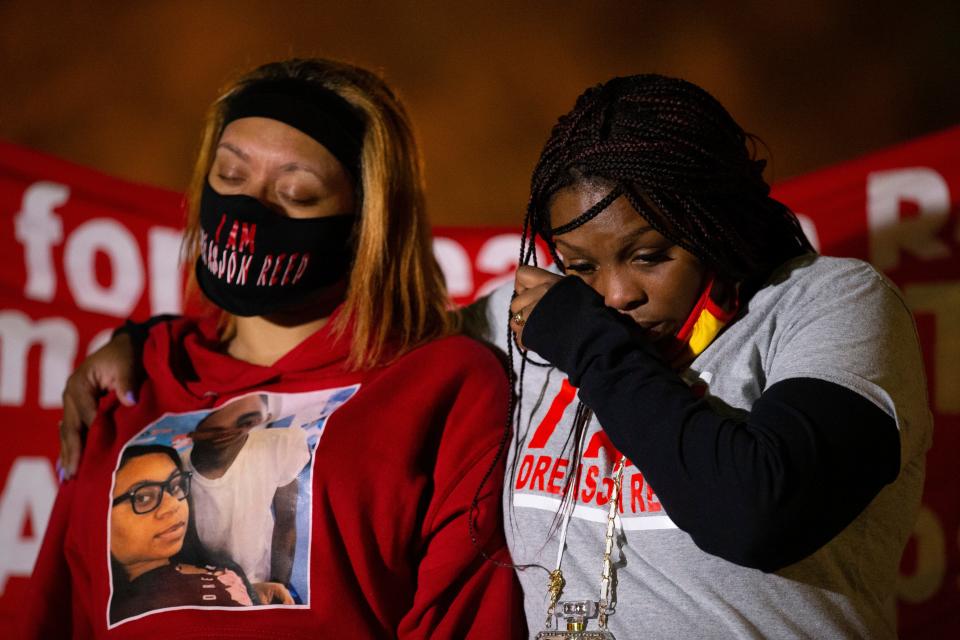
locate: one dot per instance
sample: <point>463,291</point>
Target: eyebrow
<point>254,415</point>
<point>141,483</point>
<point>291,166</point>
<point>235,150</point>
<point>296,166</point>
<point>624,241</point>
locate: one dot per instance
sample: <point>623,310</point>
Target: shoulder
<point>814,286</point>
<point>499,298</point>
<point>456,356</point>
<point>811,272</point>
<point>824,299</point>
<point>486,317</point>
<point>841,320</point>
<point>166,339</point>
<point>463,392</point>
<point>455,377</point>
<point>286,447</point>
<point>275,435</point>
<point>179,327</point>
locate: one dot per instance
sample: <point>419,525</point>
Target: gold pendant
<point>592,634</point>
<point>576,613</point>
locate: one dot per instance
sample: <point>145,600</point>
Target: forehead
<point>618,221</point>
<point>237,408</point>
<point>264,140</point>
<point>152,467</point>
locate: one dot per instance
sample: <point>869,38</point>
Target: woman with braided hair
<point>719,433</point>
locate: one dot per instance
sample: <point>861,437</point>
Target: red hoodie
<point>382,542</point>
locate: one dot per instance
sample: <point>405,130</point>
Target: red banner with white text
<point>85,251</point>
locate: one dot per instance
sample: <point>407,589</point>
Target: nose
<point>168,505</point>
<point>620,291</point>
<point>263,190</point>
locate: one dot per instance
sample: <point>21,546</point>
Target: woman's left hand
<point>531,285</point>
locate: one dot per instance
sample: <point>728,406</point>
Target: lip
<point>173,532</point>
<point>652,329</point>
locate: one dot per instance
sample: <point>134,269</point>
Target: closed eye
<point>302,202</point>
<point>233,180</point>
<point>249,419</point>
<point>652,258</point>
<point>581,267</point>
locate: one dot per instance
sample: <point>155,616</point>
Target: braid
<point>682,162</point>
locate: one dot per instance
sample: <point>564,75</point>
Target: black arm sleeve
<point>764,491</point>
<point>138,331</point>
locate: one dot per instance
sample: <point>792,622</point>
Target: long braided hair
<point>686,166</point>
<point>683,163</point>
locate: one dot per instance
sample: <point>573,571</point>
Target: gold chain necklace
<point>577,612</point>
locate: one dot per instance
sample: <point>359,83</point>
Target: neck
<point>137,569</point>
<point>261,341</point>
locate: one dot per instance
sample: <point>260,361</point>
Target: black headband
<point>318,112</point>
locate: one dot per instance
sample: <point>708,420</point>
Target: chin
<point>654,331</point>
<point>321,306</point>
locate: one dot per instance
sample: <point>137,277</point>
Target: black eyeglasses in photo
<point>147,496</point>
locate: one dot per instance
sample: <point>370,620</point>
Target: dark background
<point>122,86</point>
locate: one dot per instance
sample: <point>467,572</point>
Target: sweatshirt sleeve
<point>762,491</point>
<point>45,612</point>
<point>460,592</point>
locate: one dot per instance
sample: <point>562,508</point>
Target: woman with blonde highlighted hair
<point>396,291</point>
<point>308,241</point>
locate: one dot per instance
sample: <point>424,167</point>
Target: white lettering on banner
<point>889,232</point>
<point>809,228</point>
<point>29,492</point>
<point>126,267</point>
<point>57,338</point>
<point>166,276</point>
<point>455,264</point>
<point>38,228</point>
<point>941,299</point>
<point>99,340</point>
<point>499,255</point>
<point>931,566</point>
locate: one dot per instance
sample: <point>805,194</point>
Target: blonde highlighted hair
<point>396,298</point>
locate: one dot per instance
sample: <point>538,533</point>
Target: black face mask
<point>254,261</point>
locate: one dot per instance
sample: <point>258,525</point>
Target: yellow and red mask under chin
<point>714,309</point>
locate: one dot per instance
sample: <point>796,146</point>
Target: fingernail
<point>61,472</point>
<point>130,398</point>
